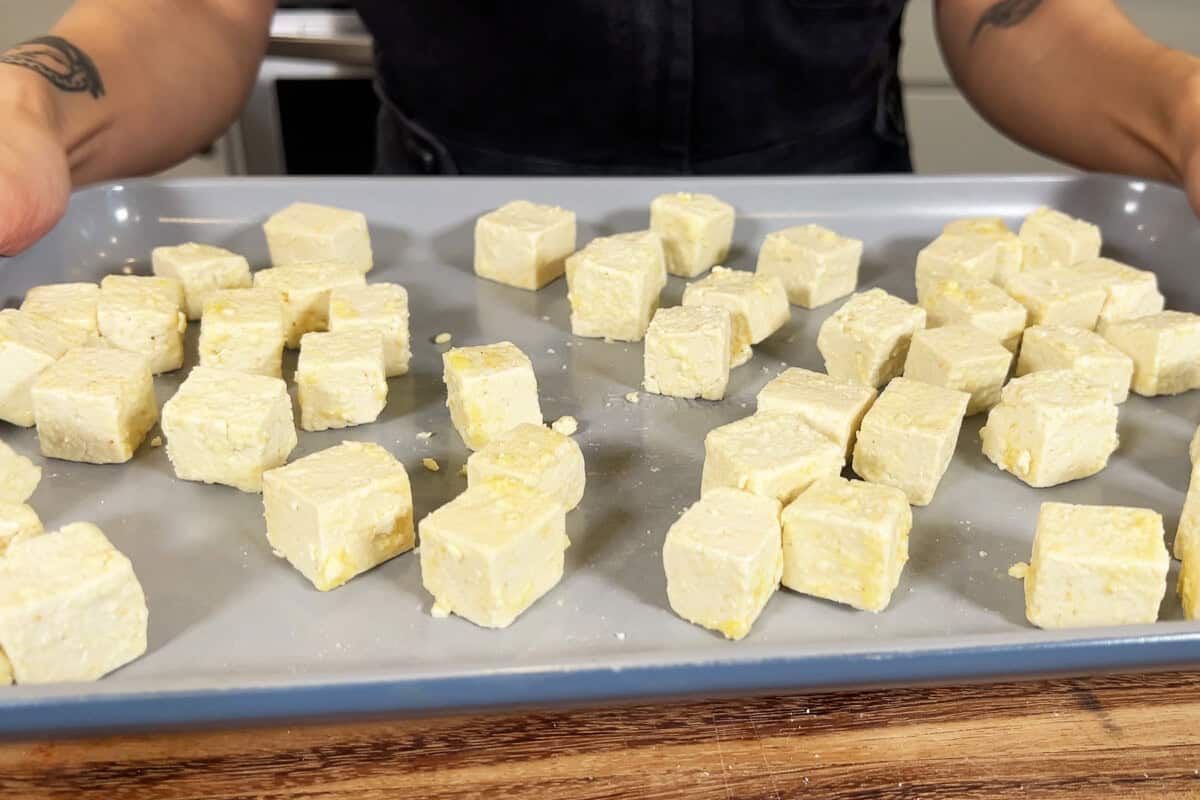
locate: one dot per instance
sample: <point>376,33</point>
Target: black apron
<point>643,87</point>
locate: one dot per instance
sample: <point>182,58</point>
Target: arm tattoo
<point>58,61</point>
<point>1005,14</point>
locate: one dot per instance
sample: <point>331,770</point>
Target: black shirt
<point>642,86</point>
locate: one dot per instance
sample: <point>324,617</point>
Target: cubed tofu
<point>960,357</point>
<point>908,437</point>
<point>1005,244</point>
<point>815,264</point>
<point>1194,446</point>
<point>1188,584</point>
<point>144,315</point>
<point>535,455</point>
<point>978,303</point>
<point>757,305</point>
<point>244,330</point>
<point>1130,292</point>
<point>1051,427</point>
<point>832,406</point>
<point>846,541</point>
<point>305,289</point>
<point>339,512</point>
<point>490,389</point>
<point>774,455</point>
<point>650,239</point>
<point>228,427</point>
<point>95,405</point>
<point>341,379</point>
<point>307,232</point>
<point>29,344</point>
<point>1087,352</point>
<point>613,286</point>
<point>687,352</point>
<point>867,339</point>
<point>202,269</point>
<point>1066,239</point>
<point>696,229</point>
<point>1187,535</point>
<point>71,607</point>
<point>723,559</point>
<point>524,244</point>
<point>72,304</point>
<point>1095,565</point>
<point>17,522</point>
<point>377,306</point>
<point>491,552</point>
<point>1058,296</point>
<point>1032,258</point>
<point>967,257</point>
<point>1165,348</point>
<point>19,476</point>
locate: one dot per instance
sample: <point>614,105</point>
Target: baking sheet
<point>237,635</point>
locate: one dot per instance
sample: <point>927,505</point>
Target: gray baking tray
<point>238,635</point>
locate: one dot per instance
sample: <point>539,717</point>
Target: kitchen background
<point>319,63</point>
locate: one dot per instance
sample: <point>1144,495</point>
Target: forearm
<point>1074,79</point>
<point>140,84</point>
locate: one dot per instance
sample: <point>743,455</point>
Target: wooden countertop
<point>1127,736</point>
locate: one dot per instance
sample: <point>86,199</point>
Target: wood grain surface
<point>1120,736</point>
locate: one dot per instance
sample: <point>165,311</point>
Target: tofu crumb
<point>156,441</point>
<point>1018,570</point>
<point>550,351</point>
<point>545,318</point>
<point>442,338</point>
<point>424,435</point>
<point>566,425</point>
<point>126,270</point>
<point>430,464</point>
<point>462,471</point>
<point>633,397</point>
<point>983,553</point>
<point>439,611</point>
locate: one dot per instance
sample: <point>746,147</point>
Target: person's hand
<point>35,179</point>
<point>1187,138</point>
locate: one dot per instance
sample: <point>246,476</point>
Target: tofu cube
<point>816,265</point>
<point>1005,244</point>
<point>71,607</point>
<point>846,541</point>
<point>340,379</point>
<point>908,437</point>
<point>613,286</point>
<point>1095,565</point>
<point>19,476</point>
<point>1188,584</point>
<point>757,304</point>
<point>1051,427</point>
<point>1131,292</point>
<point>1066,239</point>
<point>244,330</point>
<point>723,559</point>
<point>536,456</point>
<point>696,229</point>
<point>524,244</point>
<point>95,405</point>
<point>1194,446</point>
<point>1032,258</point>
<point>490,389</point>
<point>979,303</point>
<point>491,552</point>
<point>29,343</point>
<point>831,406</point>
<point>17,523</point>
<point>339,512</point>
<point>228,427</point>
<point>378,306</point>
<point>960,357</point>
<point>649,239</point>
<point>1058,296</point>
<point>305,289</point>
<point>687,352</point>
<point>954,256</point>
<point>144,315</point>
<point>867,339</point>
<point>306,232</point>
<point>201,269</point>
<point>774,455</point>
<point>72,304</point>
<point>1165,348</point>
<point>1087,352</point>
<point>1187,535</point>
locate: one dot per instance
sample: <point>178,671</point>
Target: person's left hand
<point>1187,138</point>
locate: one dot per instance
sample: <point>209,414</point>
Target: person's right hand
<point>35,179</point>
